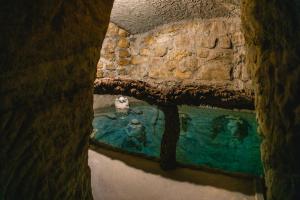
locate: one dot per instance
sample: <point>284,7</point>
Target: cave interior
<point>64,61</point>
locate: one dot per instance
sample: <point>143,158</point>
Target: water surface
<point>217,138</point>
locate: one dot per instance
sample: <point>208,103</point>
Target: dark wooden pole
<point>170,137</point>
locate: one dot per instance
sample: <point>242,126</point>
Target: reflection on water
<point>218,138</point>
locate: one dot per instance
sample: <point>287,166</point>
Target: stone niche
<point>208,52</point>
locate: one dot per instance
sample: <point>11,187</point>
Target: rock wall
<point>139,16</point>
<point>48,53</point>
<point>193,51</point>
<point>272,34</point>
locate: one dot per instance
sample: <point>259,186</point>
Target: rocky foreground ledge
<point>175,93</point>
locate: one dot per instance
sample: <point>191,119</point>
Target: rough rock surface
<point>176,94</point>
<point>49,51</point>
<point>139,16</point>
<point>272,34</point>
<point>205,51</point>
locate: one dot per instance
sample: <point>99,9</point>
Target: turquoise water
<point>217,138</point>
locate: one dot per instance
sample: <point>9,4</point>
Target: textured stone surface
<point>273,46</point>
<point>143,15</point>
<point>193,50</point>
<point>49,52</point>
<point>181,94</point>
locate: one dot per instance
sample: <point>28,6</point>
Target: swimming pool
<point>217,138</point>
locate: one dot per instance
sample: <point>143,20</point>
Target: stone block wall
<point>192,51</point>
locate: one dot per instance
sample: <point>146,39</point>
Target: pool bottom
<point>218,139</point>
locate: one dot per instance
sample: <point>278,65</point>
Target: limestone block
<point>160,51</point>
<point>123,43</point>
<point>170,65</point>
<point>148,40</point>
<point>182,41</point>
<point>245,76</point>
<point>224,42</point>
<point>208,42</point>
<point>163,74</point>
<point>155,62</point>
<point>178,55</point>
<point>110,66</point>
<point>110,74</point>
<point>218,28</point>
<point>123,61</point>
<point>100,65</point>
<point>122,71</point>
<point>109,45</point>
<point>181,68</point>
<point>190,63</point>
<point>123,33</point>
<point>215,71</point>
<point>206,27</point>
<point>202,53</point>
<point>134,50</point>
<point>154,73</point>
<point>137,60</point>
<point>232,27</point>
<point>225,56</point>
<point>238,39</point>
<point>108,56</point>
<point>124,53</point>
<point>137,72</point>
<point>169,29</point>
<point>112,30</point>
<point>237,72</point>
<point>99,73</point>
<point>164,40</point>
<point>145,52</point>
<point>182,75</point>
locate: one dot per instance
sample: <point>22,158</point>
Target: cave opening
<point>48,54</point>
<point>175,66</point>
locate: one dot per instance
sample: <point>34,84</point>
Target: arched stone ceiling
<point>138,16</point>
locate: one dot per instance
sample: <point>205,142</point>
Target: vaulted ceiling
<point>138,16</point>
